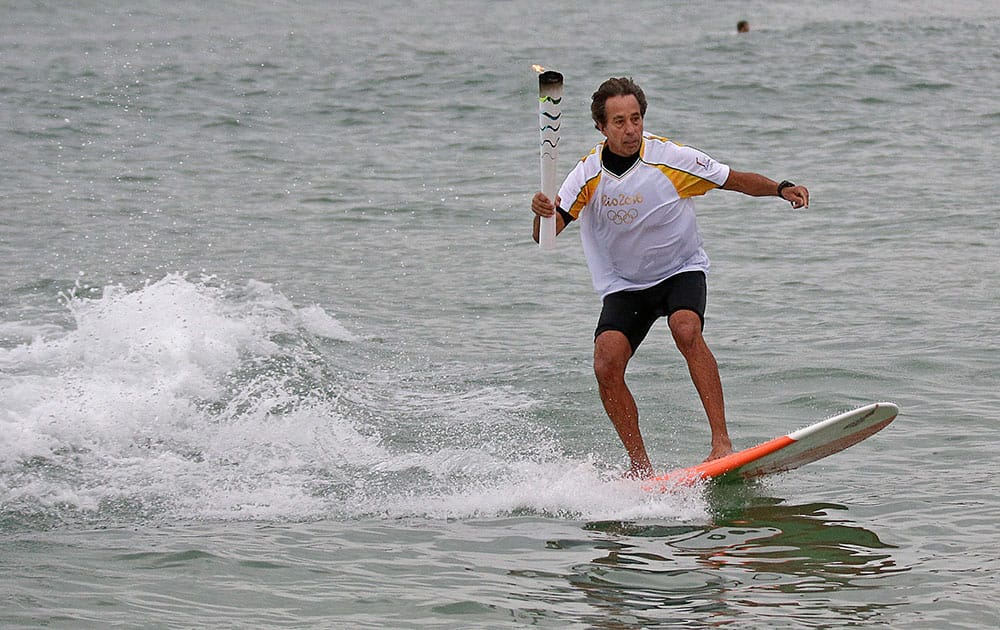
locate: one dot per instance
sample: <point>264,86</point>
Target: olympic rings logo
<point>619,217</point>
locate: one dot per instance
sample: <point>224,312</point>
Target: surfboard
<point>788,451</point>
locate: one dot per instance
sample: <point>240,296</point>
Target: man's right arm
<point>757,185</point>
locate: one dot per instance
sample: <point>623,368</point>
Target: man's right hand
<point>542,205</point>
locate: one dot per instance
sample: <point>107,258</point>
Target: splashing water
<point>191,400</point>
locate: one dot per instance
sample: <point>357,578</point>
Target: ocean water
<point>276,348</point>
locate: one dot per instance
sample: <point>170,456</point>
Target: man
<point>633,197</point>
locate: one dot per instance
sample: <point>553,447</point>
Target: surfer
<point>633,195</point>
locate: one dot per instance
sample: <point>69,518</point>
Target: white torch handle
<point>550,91</point>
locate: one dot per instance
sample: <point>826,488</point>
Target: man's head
<point>618,108</point>
<point>620,86</point>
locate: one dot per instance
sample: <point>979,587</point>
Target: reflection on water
<point>758,556</point>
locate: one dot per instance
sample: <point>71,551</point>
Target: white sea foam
<point>158,394</point>
<point>184,399</point>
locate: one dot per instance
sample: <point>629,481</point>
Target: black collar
<point>617,164</point>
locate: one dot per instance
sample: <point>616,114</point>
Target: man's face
<point>623,125</point>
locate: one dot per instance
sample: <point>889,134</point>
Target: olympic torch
<point>550,91</point>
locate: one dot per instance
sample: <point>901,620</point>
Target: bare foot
<point>720,450</point>
<point>639,471</point>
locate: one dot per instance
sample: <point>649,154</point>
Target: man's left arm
<point>757,185</point>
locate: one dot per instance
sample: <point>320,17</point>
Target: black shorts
<point>634,312</point>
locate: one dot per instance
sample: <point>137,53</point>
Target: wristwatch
<point>783,185</point>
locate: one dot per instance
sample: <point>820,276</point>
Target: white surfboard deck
<point>788,451</point>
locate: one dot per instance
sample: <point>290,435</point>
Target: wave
<point>193,400</point>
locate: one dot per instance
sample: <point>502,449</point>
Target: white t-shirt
<point>640,229</point>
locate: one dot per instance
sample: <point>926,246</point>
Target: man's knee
<point>611,354</point>
<point>685,326</point>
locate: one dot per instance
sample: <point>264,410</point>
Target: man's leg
<point>685,326</point>
<point>612,352</point>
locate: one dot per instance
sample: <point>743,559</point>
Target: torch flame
<point>537,68</point>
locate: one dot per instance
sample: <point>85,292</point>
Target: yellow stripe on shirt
<point>687,185</point>
<point>586,193</point>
